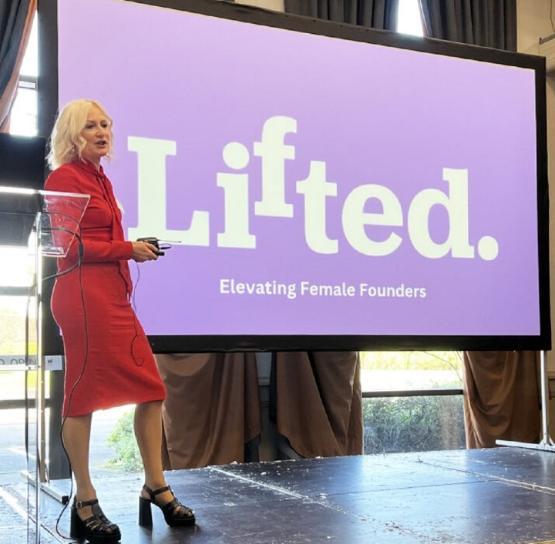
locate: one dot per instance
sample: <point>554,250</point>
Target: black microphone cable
<point>26,396</point>
<point>75,266</point>
<point>134,286</point>
<point>134,291</point>
<point>80,253</point>
<point>86,350</point>
<point>27,360</point>
<point>38,455</point>
<point>75,384</point>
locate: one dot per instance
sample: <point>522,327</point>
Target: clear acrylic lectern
<point>47,222</point>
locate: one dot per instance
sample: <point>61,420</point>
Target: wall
<point>532,23</point>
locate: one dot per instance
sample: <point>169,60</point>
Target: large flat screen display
<point>323,186</point>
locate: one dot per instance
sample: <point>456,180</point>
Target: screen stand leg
<point>546,443</point>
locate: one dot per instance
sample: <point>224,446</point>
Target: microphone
<point>158,244</point>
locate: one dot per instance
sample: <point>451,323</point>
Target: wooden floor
<point>496,496</point>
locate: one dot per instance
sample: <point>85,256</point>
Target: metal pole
<point>545,444</point>
<point>544,382</point>
<point>39,386</point>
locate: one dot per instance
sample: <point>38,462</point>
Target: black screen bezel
<point>48,100</point>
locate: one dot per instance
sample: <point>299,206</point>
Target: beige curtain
<point>318,402</point>
<point>8,95</point>
<point>212,408</point>
<point>502,397</point>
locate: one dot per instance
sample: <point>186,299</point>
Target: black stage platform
<point>496,496</point>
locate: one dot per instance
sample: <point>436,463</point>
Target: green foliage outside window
<point>413,424</point>
<point>122,439</point>
<point>411,360</point>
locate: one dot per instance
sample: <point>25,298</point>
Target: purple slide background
<point>374,114</point>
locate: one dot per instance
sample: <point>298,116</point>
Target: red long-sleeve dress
<point>109,361</point>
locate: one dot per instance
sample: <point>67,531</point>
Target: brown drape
<point>319,402</point>
<point>502,397</point>
<point>7,96</point>
<point>212,408</point>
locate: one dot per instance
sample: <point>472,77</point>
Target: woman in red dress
<point>109,361</point>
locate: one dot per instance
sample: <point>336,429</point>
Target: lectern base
<point>50,488</point>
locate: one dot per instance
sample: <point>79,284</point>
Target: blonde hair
<point>66,142</point>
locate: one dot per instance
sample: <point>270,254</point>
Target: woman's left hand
<point>143,251</point>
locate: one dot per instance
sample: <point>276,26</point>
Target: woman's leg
<point>76,434</point>
<point>148,431</point>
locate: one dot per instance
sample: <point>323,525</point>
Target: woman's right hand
<point>143,251</point>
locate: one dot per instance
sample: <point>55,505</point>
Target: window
<point>412,401</point>
<point>23,120</point>
<point>17,264</point>
<point>409,20</point>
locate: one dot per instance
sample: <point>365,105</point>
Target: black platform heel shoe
<point>175,513</point>
<point>97,529</point>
